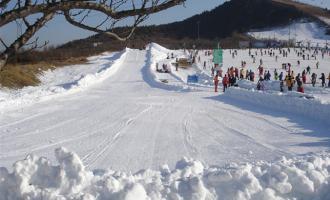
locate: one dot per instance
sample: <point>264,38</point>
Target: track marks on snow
<point>95,155</point>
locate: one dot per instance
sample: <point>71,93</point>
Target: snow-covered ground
<point>303,32</point>
<point>117,114</point>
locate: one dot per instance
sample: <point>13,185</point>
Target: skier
<point>317,65</point>
<point>225,82</point>
<point>216,82</point>
<point>323,79</point>
<point>329,80</point>
<point>314,76</point>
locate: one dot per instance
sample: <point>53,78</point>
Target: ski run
<point>139,133</point>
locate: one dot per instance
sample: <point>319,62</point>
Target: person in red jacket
<point>216,82</point>
<point>225,82</point>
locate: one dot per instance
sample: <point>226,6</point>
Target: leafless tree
<point>32,15</point>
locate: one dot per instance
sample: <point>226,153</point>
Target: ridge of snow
<point>64,81</point>
<point>292,102</point>
<point>305,177</point>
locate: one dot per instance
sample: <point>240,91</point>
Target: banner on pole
<point>218,56</point>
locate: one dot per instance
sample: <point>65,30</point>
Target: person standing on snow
<point>216,82</point>
<point>260,84</point>
<point>308,69</point>
<point>329,80</point>
<point>225,82</point>
<point>314,76</point>
<point>300,87</point>
<point>281,76</point>
<point>282,86</point>
<point>289,82</point>
<point>304,77</point>
<point>261,70</point>
<point>323,79</point>
<point>275,75</point>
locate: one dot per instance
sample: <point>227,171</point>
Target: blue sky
<point>59,31</point>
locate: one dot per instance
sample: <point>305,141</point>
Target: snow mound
<point>158,47</point>
<point>290,102</point>
<point>65,80</point>
<point>303,178</point>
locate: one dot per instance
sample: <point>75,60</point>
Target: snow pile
<point>64,81</point>
<point>158,54</point>
<point>36,178</point>
<point>304,32</point>
<point>290,102</point>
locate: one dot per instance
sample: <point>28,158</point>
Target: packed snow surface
<point>118,114</point>
<point>304,178</point>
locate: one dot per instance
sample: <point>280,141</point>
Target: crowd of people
<point>287,77</point>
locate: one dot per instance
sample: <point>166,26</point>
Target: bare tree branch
<point>76,12</point>
<point>24,38</point>
<point>25,11</point>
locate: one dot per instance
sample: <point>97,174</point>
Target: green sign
<point>218,56</point>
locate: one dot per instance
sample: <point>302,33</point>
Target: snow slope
<point>124,118</point>
<point>304,32</point>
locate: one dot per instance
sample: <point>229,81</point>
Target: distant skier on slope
<point>329,80</point>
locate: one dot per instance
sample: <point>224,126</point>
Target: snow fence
<point>291,102</point>
<point>301,178</point>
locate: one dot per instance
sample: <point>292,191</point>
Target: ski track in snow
<point>127,123</point>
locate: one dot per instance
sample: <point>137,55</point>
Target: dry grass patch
<point>17,76</point>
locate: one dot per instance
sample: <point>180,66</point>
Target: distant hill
<point>227,23</point>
